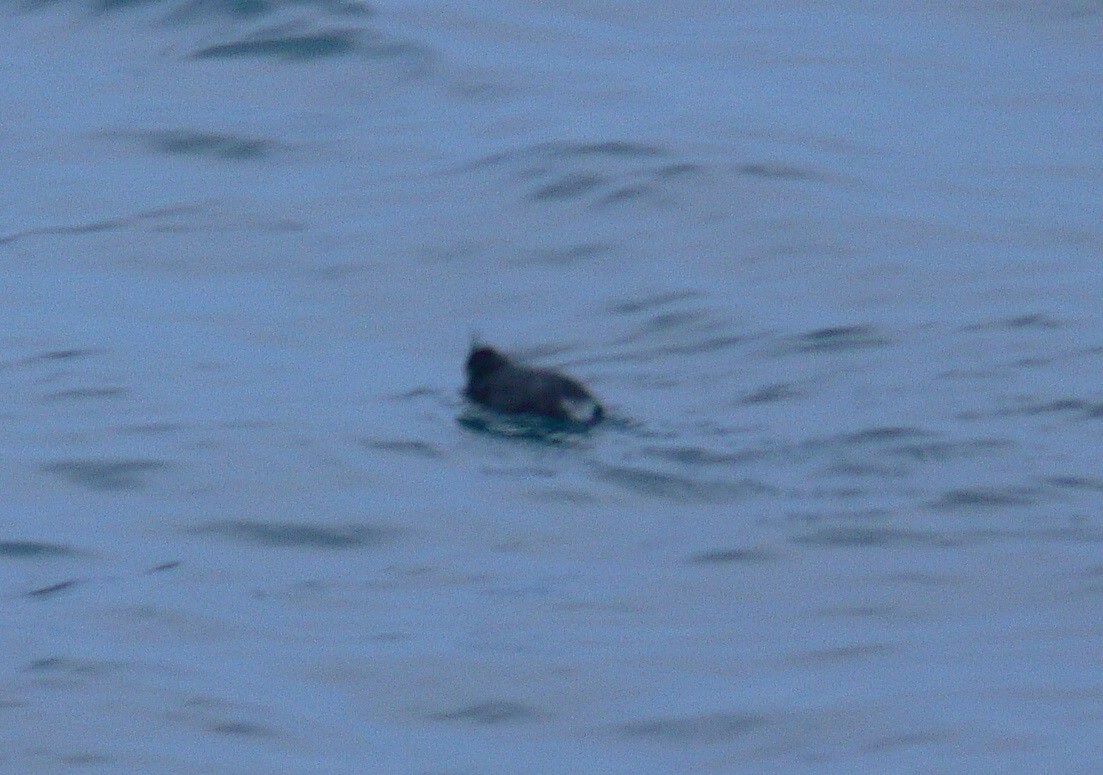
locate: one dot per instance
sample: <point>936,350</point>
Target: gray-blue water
<point>834,270</point>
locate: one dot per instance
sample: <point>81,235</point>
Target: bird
<point>497,382</point>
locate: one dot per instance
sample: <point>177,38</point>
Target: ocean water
<point>834,269</point>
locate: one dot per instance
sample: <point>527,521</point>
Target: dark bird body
<point>496,382</point>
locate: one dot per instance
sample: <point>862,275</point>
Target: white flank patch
<point>585,410</point>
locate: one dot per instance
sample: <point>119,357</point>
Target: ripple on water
<point>27,550</point>
<point>53,589</point>
<point>1033,320</point>
<point>680,488</point>
<point>1076,483</point>
<point>569,186</point>
<point>106,475</point>
<point>985,497</point>
<point>238,728</point>
<point>564,495</point>
<point>63,355</point>
<point>843,653</point>
<point>216,145</point>
<point>694,456</point>
<point>881,434</point>
<point>219,717</point>
<point>489,712</point>
<point>83,394</point>
<point>1089,410</point>
<point>54,668</point>
<point>607,148</point>
<point>768,394</point>
<point>776,171</point>
<point>840,536</point>
<point>748,556</point>
<point>654,301</point>
<point>924,451</point>
<point>571,254</point>
<point>694,730</point>
<point>284,47</point>
<point>298,534</point>
<point>204,10</point>
<point>601,173</point>
<point>405,447</point>
<point>836,339</point>
<point>314,46</point>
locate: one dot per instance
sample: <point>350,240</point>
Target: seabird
<point>498,383</point>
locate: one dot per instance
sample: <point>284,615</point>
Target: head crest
<point>483,359</point>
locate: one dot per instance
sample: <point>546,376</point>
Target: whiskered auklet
<point>498,383</point>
